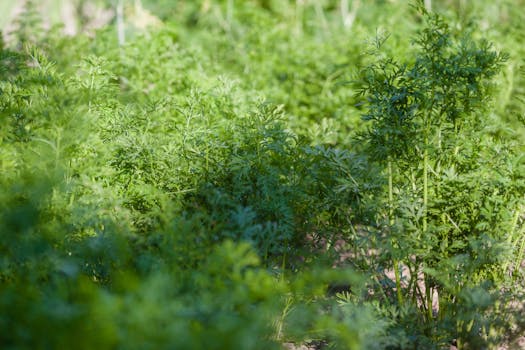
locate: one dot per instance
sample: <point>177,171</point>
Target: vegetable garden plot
<point>259,175</point>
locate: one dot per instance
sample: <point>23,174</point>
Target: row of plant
<point>249,176</point>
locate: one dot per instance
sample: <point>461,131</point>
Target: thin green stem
<point>512,237</point>
<point>391,223</point>
<point>428,295</point>
<point>425,185</point>
<point>229,12</point>
<point>120,23</point>
<point>428,291</point>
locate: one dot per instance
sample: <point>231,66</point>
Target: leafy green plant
<point>428,129</point>
<point>209,183</point>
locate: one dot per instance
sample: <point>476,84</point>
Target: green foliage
<point>448,219</point>
<point>212,184</point>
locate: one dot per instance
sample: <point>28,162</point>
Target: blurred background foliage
<point>193,175</point>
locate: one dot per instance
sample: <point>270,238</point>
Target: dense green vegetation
<point>265,175</point>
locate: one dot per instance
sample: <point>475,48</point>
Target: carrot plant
<point>444,223</point>
<point>209,182</point>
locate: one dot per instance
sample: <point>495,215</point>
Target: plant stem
<point>390,193</point>
<point>425,183</point>
<point>120,23</point>
<point>349,16</point>
<point>425,218</point>
<point>321,16</point>
<point>512,236</point>
<point>428,5</point>
<point>299,10</point>
<point>391,222</point>
<point>428,295</point>
<point>229,13</point>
